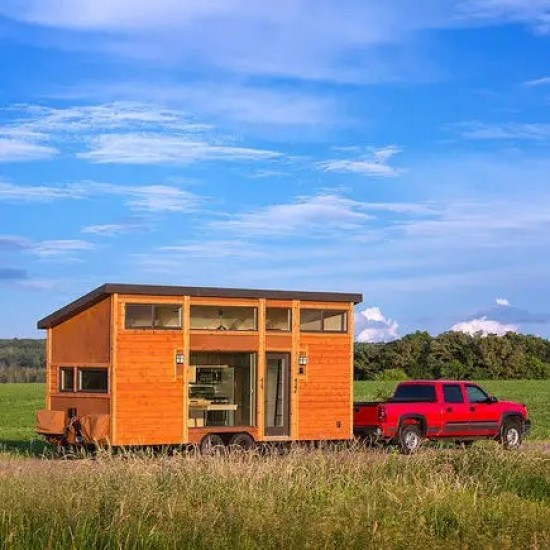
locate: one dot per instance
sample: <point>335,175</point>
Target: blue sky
<point>396,148</point>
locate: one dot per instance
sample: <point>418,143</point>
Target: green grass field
<point>483,497</point>
<point>19,402</point>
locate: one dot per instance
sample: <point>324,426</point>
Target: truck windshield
<point>415,392</point>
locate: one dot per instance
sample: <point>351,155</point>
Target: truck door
<point>484,416</point>
<point>455,412</point>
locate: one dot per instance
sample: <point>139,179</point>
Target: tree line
<point>455,355</point>
<point>22,360</point>
<point>452,355</point>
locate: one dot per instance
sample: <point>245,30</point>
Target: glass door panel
<point>277,395</point>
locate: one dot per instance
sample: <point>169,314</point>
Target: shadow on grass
<point>25,447</point>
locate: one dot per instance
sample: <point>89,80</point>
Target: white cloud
<point>484,326</point>
<point>372,164</point>
<point>504,302</point>
<point>113,229</point>
<point>505,131</point>
<point>372,326</point>
<point>318,214</point>
<point>17,150</point>
<point>61,247</point>
<point>353,44</point>
<point>118,132</point>
<point>164,149</point>
<point>154,198</point>
<point>38,193</point>
<point>544,81</point>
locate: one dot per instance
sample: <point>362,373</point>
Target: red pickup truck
<point>440,410</point>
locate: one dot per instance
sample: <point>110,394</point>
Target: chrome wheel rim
<point>512,437</point>
<point>411,440</point>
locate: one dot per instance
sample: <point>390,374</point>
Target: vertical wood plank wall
<point>149,397</point>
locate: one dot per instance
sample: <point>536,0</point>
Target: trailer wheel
<point>409,439</point>
<point>211,444</point>
<point>242,441</point>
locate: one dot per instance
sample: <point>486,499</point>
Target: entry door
<point>484,416</point>
<point>277,395</point>
<point>455,411</point>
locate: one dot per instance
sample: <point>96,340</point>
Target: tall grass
<point>308,498</point>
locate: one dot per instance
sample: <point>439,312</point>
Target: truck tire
<point>409,439</point>
<point>211,444</point>
<point>511,435</point>
<point>242,442</point>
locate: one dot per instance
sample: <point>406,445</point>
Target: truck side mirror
<point>492,399</point>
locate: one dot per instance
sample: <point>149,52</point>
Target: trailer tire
<point>211,444</point>
<point>242,442</point>
<point>409,439</point>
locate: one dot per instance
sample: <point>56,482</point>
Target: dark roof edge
<point>105,290</point>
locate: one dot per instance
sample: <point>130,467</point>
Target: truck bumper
<point>371,433</point>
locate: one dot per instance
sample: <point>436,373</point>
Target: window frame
<point>80,370</point>
<point>61,372</point>
<point>323,311</point>
<point>152,306</point>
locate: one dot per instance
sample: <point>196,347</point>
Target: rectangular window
<point>66,379</point>
<point>311,320</point>
<point>278,318</point>
<point>476,395</point>
<point>224,318</point>
<point>414,393</point>
<point>323,320</point>
<point>153,316</point>
<point>93,380</point>
<point>452,393</point>
<point>221,389</point>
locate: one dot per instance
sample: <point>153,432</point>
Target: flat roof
<point>107,289</point>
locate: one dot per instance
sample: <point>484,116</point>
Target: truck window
<point>476,395</point>
<point>415,392</point>
<point>452,393</point>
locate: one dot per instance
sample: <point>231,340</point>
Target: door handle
<point>449,409</point>
<point>472,409</point>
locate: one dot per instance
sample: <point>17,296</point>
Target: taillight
<point>382,414</point>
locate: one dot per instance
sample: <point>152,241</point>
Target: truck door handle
<point>449,409</point>
<point>472,409</point>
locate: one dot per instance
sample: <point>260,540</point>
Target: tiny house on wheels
<point>168,365</point>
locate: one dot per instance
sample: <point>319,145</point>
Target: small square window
<point>168,316</point>
<point>139,316</point>
<point>66,379</point>
<point>334,321</point>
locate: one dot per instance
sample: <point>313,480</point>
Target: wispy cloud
<point>45,249</point>
<point>18,150</point>
<point>506,131</point>
<point>374,163</point>
<point>154,198</point>
<point>119,132</point>
<point>317,214</point>
<point>504,302</point>
<point>164,149</point>
<point>114,229</point>
<point>544,81</point>
<point>12,274</point>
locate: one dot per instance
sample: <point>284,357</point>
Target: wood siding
<point>148,386</point>
<point>83,405</point>
<point>83,338</point>
<point>324,399</point>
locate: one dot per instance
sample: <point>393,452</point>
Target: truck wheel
<point>242,442</point>
<point>511,436</point>
<point>211,444</point>
<point>409,439</point>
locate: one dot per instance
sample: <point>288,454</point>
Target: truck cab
<point>460,411</point>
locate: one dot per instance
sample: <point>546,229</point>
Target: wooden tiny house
<point>165,365</point>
